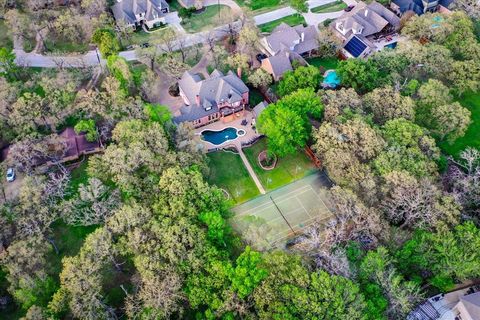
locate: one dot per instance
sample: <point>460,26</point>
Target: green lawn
<point>261,6</point>
<point>329,63</point>
<point>140,37</point>
<point>288,169</point>
<point>227,171</point>
<point>293,20</point>
<point>330,7</point>
<point>207,19</point>
<point>54,45</point>
<point>5,40</point>
<point>472,136</point>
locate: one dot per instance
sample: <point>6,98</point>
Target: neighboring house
<point>258,109</point>
<point>418,6</point>
<point>364,24</point>
<point>286,44</point>
<point>76,145</point>
<point>136,13</point>
<point>463,304</point>
<point>219,97</point>
<point>187,3</point>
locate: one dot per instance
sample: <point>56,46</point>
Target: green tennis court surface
<point>271,219</point>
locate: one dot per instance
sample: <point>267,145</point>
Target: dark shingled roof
<point>417,5</point>
<point>126,9</point>
<point>287,37</point>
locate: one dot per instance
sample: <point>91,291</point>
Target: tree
<point>300,78</point>
<point>338,102</point>
<point>107,42</point>
<point>87,126</point>
<point>239,62</point>
<point>260,78</point>
<point>361,75</point>
<point>387,104</point>
<point>299,5</point>
<point>120,70</point>
<point>414,203</point>
<point>329,44</point>
<point>172,66</point>
<point>451,121</point>
<point>248,40</point>
<point>286,130</point>
<point>290,291</point>
<point>7,61</point>
<point>247,273</point>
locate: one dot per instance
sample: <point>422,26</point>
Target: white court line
<point>269,203</point>
<point>308,214</point>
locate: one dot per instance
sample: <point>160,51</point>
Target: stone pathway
<point>250,171</point>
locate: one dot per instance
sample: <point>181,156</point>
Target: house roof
<point>259,108</point>
<point>127,9</point>
<point>471,302</point>
<point>287,37</point>
<point>373,18</point>
<point>278,64</point>
<point>216,89</point>
<point>417,5</point>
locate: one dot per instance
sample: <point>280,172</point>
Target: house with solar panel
<point>419,7</point>
<point>136,13</point>
<point>360,28</point>
<point>206,100</point>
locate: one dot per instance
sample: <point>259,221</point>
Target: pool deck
<point>250,134</point>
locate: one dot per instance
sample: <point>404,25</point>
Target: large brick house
<point>135,13</point>
<point>218,97</point>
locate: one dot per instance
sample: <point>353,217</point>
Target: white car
<point>10,175</point>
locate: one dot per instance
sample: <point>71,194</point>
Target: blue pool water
<point>331,80</point>
<point>392,45</point>
<point>219,137</point>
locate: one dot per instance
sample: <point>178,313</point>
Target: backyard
<point>330,7</point>
<point>326,63</point>
<point>471,137</point>
<point>288,169</point>
<point>293,20</point>
<point>228,172</point>
<point>206,19</point>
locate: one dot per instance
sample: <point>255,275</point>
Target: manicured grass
<point>329,63</point>
<point>288,169</point>
<point>5,39</point>
<point>227,171</point>
<point>140,37</point>
<point>472,136</point>
<point>262,6</point>
<point>330,7</point>
<point>207,19</point>
<point>65,46</point>
<point>293,20</point>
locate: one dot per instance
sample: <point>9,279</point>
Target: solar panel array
<point>355,47</point>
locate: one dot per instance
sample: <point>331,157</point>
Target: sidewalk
<point>250,171</point>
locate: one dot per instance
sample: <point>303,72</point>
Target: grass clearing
<point>206,19</point>
<point>471,101</point>
<point>326,63</point>
<point>140,37</point>
<point>228,172</point>
<point>293,20</point>
<point>5,39</point>
<point>288,169</point>
<point>61,46</point>
<point>262,6</point>
<point>330,7</point>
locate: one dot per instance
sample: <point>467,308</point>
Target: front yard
<point>472,136</point>
<point>140,37</point>
<point>262,6</point>
<point>330,7</point>
<point>288,169</point>
<point>293,20</point>
<point>228,172</point>
<point>209,18</point>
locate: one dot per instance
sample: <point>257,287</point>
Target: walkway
<point>250,171</point>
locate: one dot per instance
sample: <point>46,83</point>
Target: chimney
<point>197,99</point>
<point>303,36</point>
<point>366,12</point>
<point>239,72</point>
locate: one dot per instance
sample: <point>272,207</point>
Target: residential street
<point>92,59</point>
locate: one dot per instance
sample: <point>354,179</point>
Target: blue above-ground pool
<point>219,137</point>
<point>331,79</point>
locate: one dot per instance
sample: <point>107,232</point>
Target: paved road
<point>273,15</point>
<point>91,58</point>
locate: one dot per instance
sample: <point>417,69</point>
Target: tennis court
<point>269,220</point>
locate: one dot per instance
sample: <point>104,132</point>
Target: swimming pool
<point>331,79</point>
<point>219,137</point>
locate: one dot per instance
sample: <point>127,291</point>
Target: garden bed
<point>264,162</point>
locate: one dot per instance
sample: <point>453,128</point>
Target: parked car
<point>130,47</point>
<point>261,56</point>
<point>145,45</point>
<point>10,175</point>
<point>349,8</point>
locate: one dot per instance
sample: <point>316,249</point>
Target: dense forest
<point>137,232</point>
